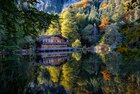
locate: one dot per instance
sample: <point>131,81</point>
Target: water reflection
<point>15,73</point>
<point>52,58</point>
<point>70,73</point>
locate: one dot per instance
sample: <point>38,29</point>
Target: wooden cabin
<point>53,42</point>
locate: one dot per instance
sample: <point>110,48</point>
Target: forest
<point>114,24</point>
<point>85,23</point>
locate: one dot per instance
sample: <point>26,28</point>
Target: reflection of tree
<point>110,72</point>
<point>53,77</point>
<point>43,75</point>
<point>81,76</point>
<point>88,75</point>
<point>119,85</point>
<point>112,61</point>
<point>48,81</point>
<point>90,64</point>
<point>76,55</point>
<point>54,73</point>
<point>67,76</point>
<point>123,78</point>
<point>91,75</point>
<point>106,75</point>
<point>133,84</point>
<point>15,73</point>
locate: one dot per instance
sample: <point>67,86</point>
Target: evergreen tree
<point>54,28</point>
<point>68,25</point>
<point>19,27</point>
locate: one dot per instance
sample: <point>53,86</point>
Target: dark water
<point>70,73</point>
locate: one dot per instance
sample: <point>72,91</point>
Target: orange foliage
<point>105,5</point>
<point>104,23</point>
<point>106,75</point>
<point>82,3</point>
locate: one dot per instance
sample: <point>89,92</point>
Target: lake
<point>70,73</point>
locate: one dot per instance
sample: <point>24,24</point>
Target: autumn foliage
<point>104,23</point>
<point>105,5</point>
<point>106,75</point>
<point>82,3</point>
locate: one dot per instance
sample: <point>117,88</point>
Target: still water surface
<point>69,73</point>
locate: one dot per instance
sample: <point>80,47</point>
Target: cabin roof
<point>47,37</point>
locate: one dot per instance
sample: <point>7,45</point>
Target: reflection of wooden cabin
<point>51,59</point>
<point>53,42</point>
<point>54,61</point>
